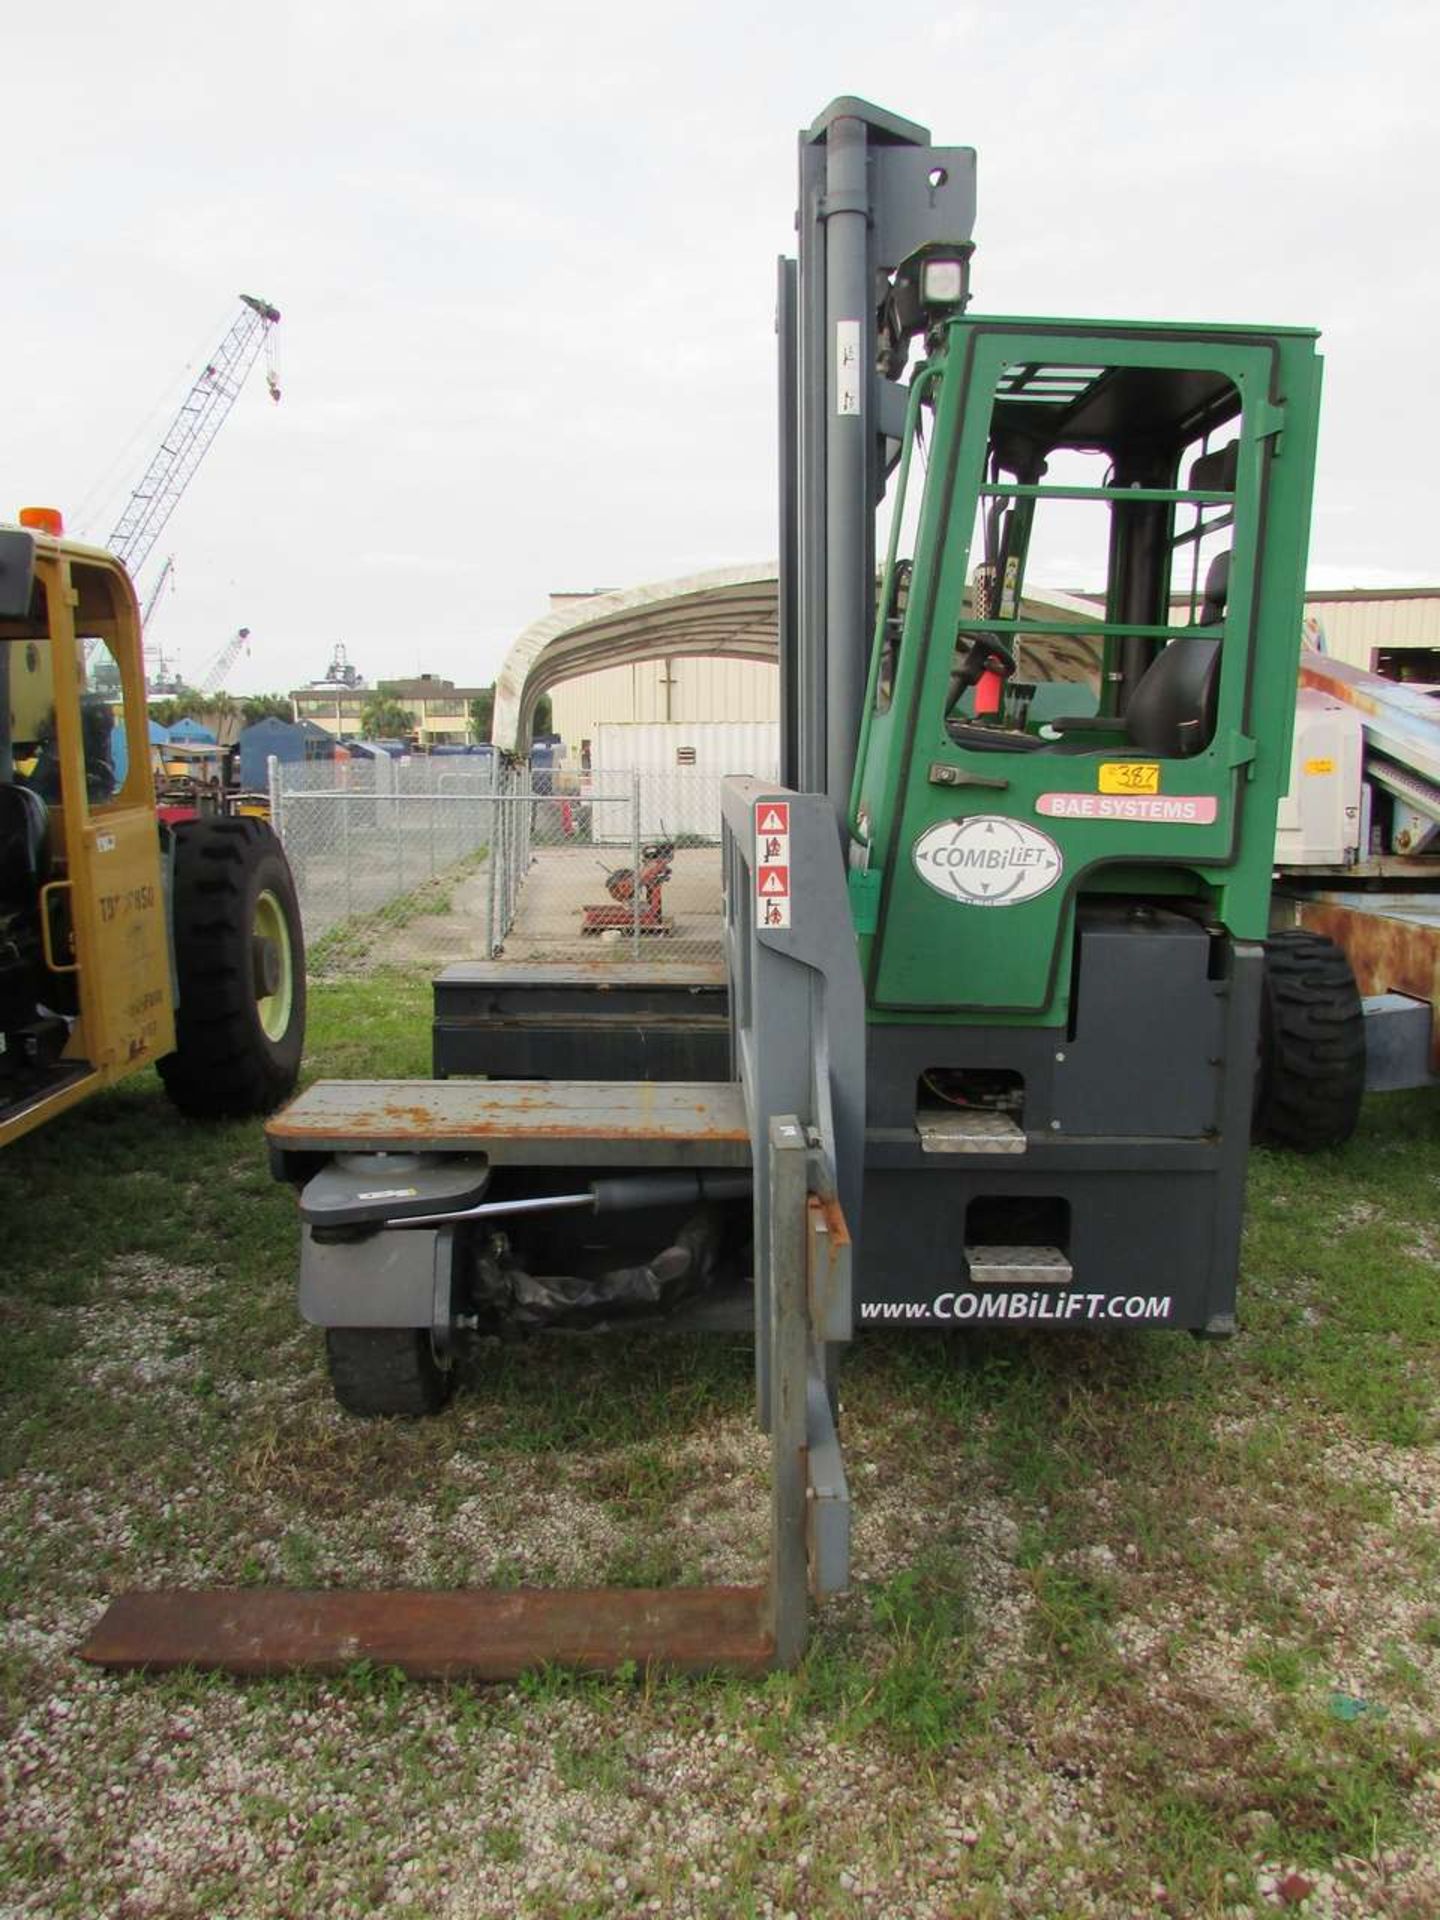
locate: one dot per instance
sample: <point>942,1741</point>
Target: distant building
<point>331,704</point>
<point>1389,630</point>
<point>686,689</point>
<point>439,710</point>
<point>718,665</point>
<point>281,740</point>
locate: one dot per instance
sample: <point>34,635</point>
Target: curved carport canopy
<point>732,610</point>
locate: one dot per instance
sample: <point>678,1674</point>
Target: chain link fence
<point>414,864</point>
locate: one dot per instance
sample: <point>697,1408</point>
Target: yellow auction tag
<point>1319,766</point>
<point>1130,776</point>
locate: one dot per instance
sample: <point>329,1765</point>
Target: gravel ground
<point>1136,1628</point>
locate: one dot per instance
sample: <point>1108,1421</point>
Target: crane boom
<point>224,660</point>
<point>201,415</point>
<point>152,599</point>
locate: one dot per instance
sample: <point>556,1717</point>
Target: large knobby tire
<point>240,966</point>
<point>379,1371</point>
<point>1312,1044</point>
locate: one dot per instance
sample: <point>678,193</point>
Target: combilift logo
<point>988,860</point>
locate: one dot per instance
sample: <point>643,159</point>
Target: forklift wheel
<point>386,1370</point>
<point>1312,1044</point>
<point>240,969</point>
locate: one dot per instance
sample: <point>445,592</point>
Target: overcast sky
<point>525,257</point>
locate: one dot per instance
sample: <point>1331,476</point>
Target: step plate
<point>1018,1267</point>
<point>969,1130</point>
<point>482,1633</point>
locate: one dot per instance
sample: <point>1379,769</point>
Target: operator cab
<point>42,807</point>
<point>1080,653</point>
<point>1101,537</point>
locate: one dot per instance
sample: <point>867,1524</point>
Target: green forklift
<point>996,944</point>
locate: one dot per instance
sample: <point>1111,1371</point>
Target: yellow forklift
<point>125,942</point>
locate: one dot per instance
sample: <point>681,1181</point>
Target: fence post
<point>508,823</point>
<point>345,800</point>
<point>492,857</point>
<point>519,849</point>
<point>635,863</point>
<point>399,842</point>
<point>272,783</point>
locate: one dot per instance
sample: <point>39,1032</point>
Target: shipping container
<point>676,769</point>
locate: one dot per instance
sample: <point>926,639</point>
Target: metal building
<point>666,690</point>
<point>1375,627</point>
<point>698,648</point>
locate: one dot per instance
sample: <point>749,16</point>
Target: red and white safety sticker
<point>772,863</point>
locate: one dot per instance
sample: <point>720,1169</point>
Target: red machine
<point>627,915</point>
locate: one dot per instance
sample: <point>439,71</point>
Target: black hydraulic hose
<point>621,1193</point>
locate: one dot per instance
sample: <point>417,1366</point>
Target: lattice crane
<point>215,673</point>
<point>152,599</point>
<point>201,416</point>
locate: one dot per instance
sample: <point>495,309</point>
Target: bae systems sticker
<point>1178,810</point>
<point>988,861</point>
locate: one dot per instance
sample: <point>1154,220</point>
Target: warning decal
<point>772,863</point>
<point>847,367</point>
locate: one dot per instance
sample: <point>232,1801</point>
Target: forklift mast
<point>874,192</point>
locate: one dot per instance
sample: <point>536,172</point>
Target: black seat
<point>1172,710</point>
<point>1218,471</point>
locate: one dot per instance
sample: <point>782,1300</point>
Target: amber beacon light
<point>43,520</point>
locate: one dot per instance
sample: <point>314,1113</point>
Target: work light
<point>942,282</point>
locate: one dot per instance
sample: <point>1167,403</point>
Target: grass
<point>352,941</point>
<point>1129,1611</point>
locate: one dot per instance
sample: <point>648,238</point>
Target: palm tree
<point>382,718</point>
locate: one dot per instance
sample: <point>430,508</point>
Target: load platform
<point>523,1122</point>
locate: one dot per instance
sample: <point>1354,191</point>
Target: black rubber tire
<point>225,1064</point>
<point>1312,1044</point>
<point>380,1371</point>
